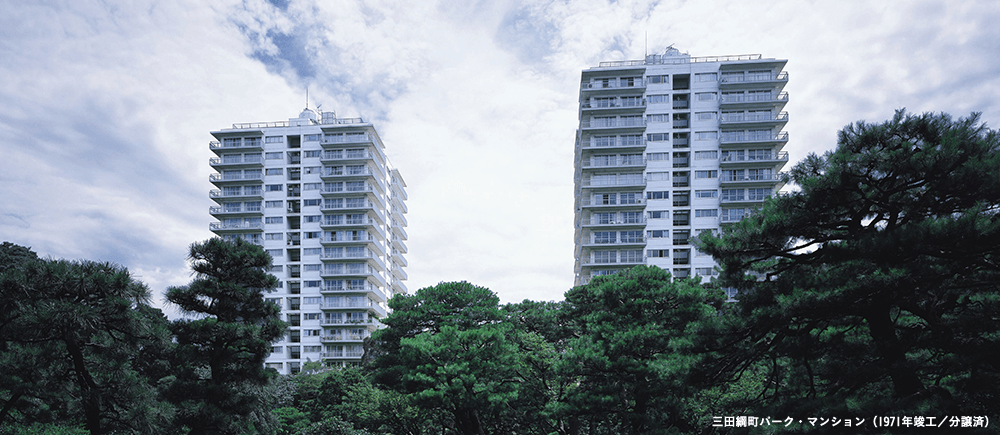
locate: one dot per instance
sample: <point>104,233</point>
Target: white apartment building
<point>318,193</point>
<point>668,147</point>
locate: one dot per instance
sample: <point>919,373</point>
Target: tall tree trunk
<point>89,393</point>
<point>468,422</point>
<point>905,381</point>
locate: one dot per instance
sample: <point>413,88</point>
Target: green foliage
<point>73,341</point>
<point>880,289</point>
<point>221,383</point>
<point>633,349</point>
<point>447,349</point>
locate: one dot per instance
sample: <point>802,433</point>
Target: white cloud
<point>109,105</point>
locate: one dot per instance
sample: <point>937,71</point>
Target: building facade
<point>668,147</point>
<point>318,193</point>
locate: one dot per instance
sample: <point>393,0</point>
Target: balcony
<point>243,226</point>
<point>342,155</point>
<point>753,100</point>
<point>731,120</point>
<point>613,262</point>
<point>617,143</point>
<point>741,138</point>
<point>238,160</point>
<point>226,178</point>
<point>612,84</point>
<point>617,163</point>
<point>249,144</point>
<point>236,209</point>
<point>244,193</point>
<point>617,104</point>
<point>596,222</point>
<point>611,124</point>
<point>344,336</point>
<point>372,259</point>
<point>735,81</point>
<point>369,306</point>
<point>347,138</point>
<point>369,323</point>
<point>592,203</point>
<point>730,159</point>
<point>617,182</point>
<point>355,289</point>
<point>725,178</point>
<point>615,243</point>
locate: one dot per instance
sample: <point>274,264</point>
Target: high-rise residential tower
<point>318,193</point>
<point>668,147</point>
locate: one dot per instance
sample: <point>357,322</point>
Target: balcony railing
<point>226,210</point>
<point>753,78</point>
<point>727,178</point>
<point>347,138</point>
<point>612,84</point>
<point>597,203</point>
<point>596,221</point>
<point>235,177</point>
<point>343,337</point>
<point>745,137</point>
<point>368,321</point>
<point>619,181</point>
<point>781,156</point>
<point>614,143</point>
<point>607,104</point>
<point>619,162</point>
<point>220,226</point>
<point>754,98</point>
<point>744,117</point>
<point>247,159</point>
<point>612,124</point>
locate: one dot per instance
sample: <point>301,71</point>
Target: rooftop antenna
<point>307,97</point>
<point>645,44</point>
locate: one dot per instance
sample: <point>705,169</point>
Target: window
<point>733,195</point>
<point>658,253</point>
<point>602,218</point>
<point>658,176</point>
<point>706,271</point>
<point>657,234</point>
<point>311,251</point>
<point>630,236</point>
<point>274,139</point>
<point>631,101</point>
<point>311,186</point>
<point>758,194</point>
<point>657,157</point>
<point>274,156</point>
<point>273,188</point>
<point>656,137</point>
<point>653,80</point>
<point>310,138</point>
<point>272,236</point>
<point>604,237</point>
<point>605,257</point>
<point>312,284</point>
<point>658,98</point>
<point>657,195</point>
<point>631,139</point>
<point>311,202</point>
<point>631,256</point>
<point>274,171</point>
<point>311,154</point>
<point>310,316</point>
<point>706,174</point>
<point>706,193</point>
<point>276,252</point>
<point>312,349</point>
<point>706,116</point>
<point>274,220</point>
<point>651,119</point>
<point>631,217</point>
<point>706,77</point>
<point>309,219</point>
<point>630,198</point>
<point>603,141</point>
<point>311,234</point>
<point>707,135</point>
<point>311,169</point>
<point>660,214</point>
<point>273,204</point>
<point>706,155</point>
<point>706,96</point>
<point>706,213</point>
<point>733,214</point>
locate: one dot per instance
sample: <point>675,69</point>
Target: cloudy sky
<point>107,107</point>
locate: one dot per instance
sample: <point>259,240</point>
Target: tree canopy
<point>876,285</point>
